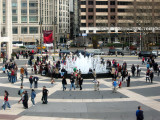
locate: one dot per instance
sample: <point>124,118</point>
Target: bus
<point>17,43</point>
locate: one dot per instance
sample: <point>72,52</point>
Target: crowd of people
<point>41,66</point>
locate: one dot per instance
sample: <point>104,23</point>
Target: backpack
<point>18,92</point>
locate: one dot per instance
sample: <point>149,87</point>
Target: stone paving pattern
<point>86,104</point>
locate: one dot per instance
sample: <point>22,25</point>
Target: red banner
<point>47,37</point>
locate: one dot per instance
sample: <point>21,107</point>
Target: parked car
<point>155,52</point>
<point>98,52</point>
<point>83,53</point>
<point>133,52</point>
<point>65,52</point>
<point>113,52</point>
<point>146,54</point>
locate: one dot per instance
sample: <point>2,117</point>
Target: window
<point>83,9</point>
<point>83,17</point>
<point>15,30</point>
<point>112,3</point>
<point>101,10</point>
<point>125,3</point>
<point>90,24</point>
<point>24,19</point>
<point>34,11</point>
<point>112,17</point>
<point>33,30</point>
<point>24,30</point>
<point>83,24</point>
<point>24,11</point>
<point>33,5</point>
<point>33,19</point>
<point>102,17</point>
<point>14,4</point>
<point>90,2</point>
<point>90,17</point>
<point>112,9</point>
<point>14,11</point>
<point>101,2</point>
<point>90,9</point>
<point>23,5</point>
<point>83,2</point>
<point>14,19</point>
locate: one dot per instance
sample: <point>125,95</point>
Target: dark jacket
<point>151,75</point>
<point>139,115</point>
<point>64,82</point>
<point>25,97</point>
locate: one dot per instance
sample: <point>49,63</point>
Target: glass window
<point>14,11</point>
<point>33,19</point>
<point>24,30</point>
<point>14,4</point>
<point>24,19</point>
<point>33,5</point>
<point>23,5</point>
<point>33,30</point>
<point>15,30</point>
<point>33,11</point>
<point>24,11</point>
<point>14,19</point>
<point>4,19</point>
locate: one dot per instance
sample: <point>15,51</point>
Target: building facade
<point>112,16</point>
<point>75,19</point>
<point>26,16</point>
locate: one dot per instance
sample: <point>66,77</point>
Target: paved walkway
<point>86,104</point>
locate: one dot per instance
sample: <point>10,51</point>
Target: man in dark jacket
<point>139,114</point>
<point>25,100</point>
<point>31,81</point>
<point>44,95</point>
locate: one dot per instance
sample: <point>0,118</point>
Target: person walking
<point>72,80</point>
<point>64,83</point>
<point>147,76</point>
<point>128,80</point>
<point>12,76</point>
<point>114,86</point>
<point>158,70</point>
<point>44,95</point>
<point>33,95</point>
<point>31,81</point>
<point>138,71</point>
<point>80,82</point>
<point>133,69</point>
<point>6,100</point>
<point>139,113</point>
<point>151,76</point>
<point>21,93</point>
<point>35,79</point>
<point>25,100</point>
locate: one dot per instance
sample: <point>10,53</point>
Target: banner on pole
<point>48,36</point>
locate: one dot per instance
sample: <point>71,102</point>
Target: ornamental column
<point>9,27</point>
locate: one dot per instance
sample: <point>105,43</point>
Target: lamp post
<point>40,23</point>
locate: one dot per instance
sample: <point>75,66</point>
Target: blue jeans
<point>33,102</point>
<point>72,85</point>
<point>64,87</point>
<point>6,103</point>
<point>30,85</point>
<point>13,79</point>
<point>9,78</point>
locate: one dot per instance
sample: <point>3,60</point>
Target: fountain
<point>84,64</point>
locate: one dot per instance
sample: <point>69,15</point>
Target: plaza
<point>86,104</point>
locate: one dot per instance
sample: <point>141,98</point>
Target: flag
<point>47,36</point>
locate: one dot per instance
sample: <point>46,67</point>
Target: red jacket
<point>12,73</point>
<point>6,98</point>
